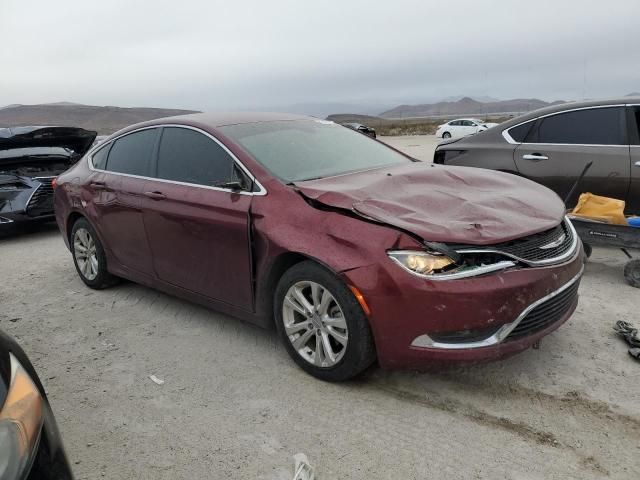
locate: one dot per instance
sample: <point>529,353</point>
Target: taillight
<point>54,183</point>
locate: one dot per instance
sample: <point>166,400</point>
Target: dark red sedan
<point>354,250</point>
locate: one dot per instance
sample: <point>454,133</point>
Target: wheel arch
<point>267,283</point>
<point>73,217</point>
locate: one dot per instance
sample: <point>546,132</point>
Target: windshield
<point>308,149</point>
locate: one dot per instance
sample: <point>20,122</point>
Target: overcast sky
<point>236,54</point>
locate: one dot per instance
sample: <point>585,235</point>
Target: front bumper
<point>408,313</point>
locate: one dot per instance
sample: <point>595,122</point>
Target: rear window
<point>595,126</point>
<point>131,154</point>
<point>519,133</point>
<point>99,159</point>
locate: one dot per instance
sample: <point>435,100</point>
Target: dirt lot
<point>418,146</point>
<point>234,406</point>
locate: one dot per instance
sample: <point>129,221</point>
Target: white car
<point>462,127</point>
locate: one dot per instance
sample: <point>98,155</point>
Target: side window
<point>189,156</point>
<point>455,123</point>
<point>519,133</point>
<point>596,126</point>
<point>468,123</point>
<point>99,159</point>
<point>131,153</point>
<point>634,128</point>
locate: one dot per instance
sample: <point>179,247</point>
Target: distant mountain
<point>484,99</point>
<point>322,109</point>
<point>357,118</point>
<point>105,120</point>
<point>465,106</point>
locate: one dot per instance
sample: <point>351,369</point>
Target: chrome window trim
<point>509,139</point>
<point>425,341</point>
<point>533,263</point>
<point>261,190</point>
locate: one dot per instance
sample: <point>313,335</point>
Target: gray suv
<point>552,145</point>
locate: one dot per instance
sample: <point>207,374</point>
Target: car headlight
<point>21,419</point>
<point>421,263</point>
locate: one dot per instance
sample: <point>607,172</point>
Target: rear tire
<point>632,273</point>
<point>446,135</point>
<point>331,333</point>
<point>89,257</point>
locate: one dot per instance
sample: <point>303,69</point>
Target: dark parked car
<point>358,127</point>
<point>30,158</point>
<point>30,444</point>
<point>356,250</point>
<point>551,146</point>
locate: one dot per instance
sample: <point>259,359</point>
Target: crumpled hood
<point>77,139</point>
<point>443,204</point>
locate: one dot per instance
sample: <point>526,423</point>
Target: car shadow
<point>34,230</point>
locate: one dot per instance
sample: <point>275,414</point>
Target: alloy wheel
<point>85,253</point>
<point>315,324</point>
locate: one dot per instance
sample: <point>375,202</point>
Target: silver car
<point>552,146</point>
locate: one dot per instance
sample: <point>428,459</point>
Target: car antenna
<point>577,182</point>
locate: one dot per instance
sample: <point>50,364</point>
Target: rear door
<point>198,230</point>
<point>117,188</point>
<point>560,145</point>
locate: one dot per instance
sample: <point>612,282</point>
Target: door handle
<point>155,195</point>
<point>637,164</point>
<point>536,157</point>
<point>98,185</point>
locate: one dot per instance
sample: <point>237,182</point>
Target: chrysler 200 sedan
<point>354,250</point>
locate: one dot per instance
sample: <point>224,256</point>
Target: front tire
<point>89,257</point>
<point>322,325</point>
<point>446,135</point>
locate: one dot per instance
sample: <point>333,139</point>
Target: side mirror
<point>233,185</point>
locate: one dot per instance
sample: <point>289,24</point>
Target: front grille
<point>546,313</point>
<point>530,248</point>
<point>41,202</point>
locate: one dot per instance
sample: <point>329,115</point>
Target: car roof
<point>562,106</point>
<point>220,119</point>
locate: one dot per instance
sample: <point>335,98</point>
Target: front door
<point>561,145</point>
<point>633,198</point>
<point>197,227</point>
<point>117,188</point>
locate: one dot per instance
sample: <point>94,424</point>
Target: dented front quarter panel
<point>283,222</point>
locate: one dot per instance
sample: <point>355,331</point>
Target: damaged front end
<point>30,159</point>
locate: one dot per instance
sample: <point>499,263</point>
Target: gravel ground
<point>234,406</point>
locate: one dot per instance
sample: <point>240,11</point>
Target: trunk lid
<point>443,204</point>
<point>78,140</point>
